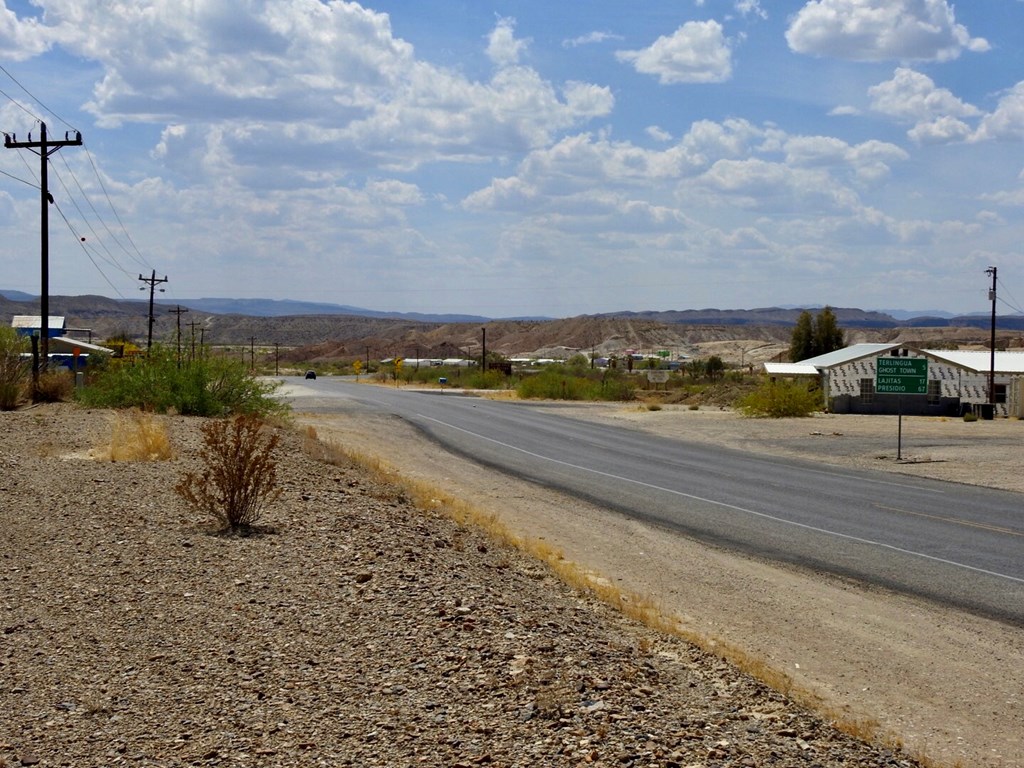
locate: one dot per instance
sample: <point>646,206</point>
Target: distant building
<point>32,325</point>
<point>63,349</point>
<point>957,380</point>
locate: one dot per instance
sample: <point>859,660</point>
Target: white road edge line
<point>744,510</point>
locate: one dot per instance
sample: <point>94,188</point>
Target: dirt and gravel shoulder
<point>940,681</point>
<point>359,631</point>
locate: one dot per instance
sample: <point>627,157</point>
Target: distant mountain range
<point>279,308</point>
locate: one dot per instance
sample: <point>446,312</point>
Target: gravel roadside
<point>944,683</point>
<point>361,631</point>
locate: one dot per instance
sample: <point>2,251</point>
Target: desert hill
<point>738,336</point>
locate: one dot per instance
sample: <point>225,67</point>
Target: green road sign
<point>901,376</point>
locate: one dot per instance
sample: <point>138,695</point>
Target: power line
<point>112,260</point>
<point>81,242</point>
<point>16,178</point>
<point>35,99</point>
<point>139,259</point>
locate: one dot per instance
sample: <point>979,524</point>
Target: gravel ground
<point>940,681</point>
<point>360,631</point>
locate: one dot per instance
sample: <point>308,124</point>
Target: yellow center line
<point>965,523</point>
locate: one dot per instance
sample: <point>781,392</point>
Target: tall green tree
<point>801,343</point>
<point>828,336</point>
<point>813,336</point>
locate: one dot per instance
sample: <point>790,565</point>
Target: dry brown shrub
<point>55,386</point>
<point>136,436</point>
<point>239,476</point>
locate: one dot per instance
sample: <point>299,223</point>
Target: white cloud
<point>590,39</point>
<point>913,97</point>
<point>295,80</point>
<point>502,46</point>
<point>942,130</point>
<point>751,7</point>
<point>1007,121</point>
<point>21,39</point>
<point>877,30</point>
<point>697,52</point>
<point>936,112</point>
<point>657,133</point>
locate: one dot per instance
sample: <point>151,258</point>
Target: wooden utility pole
<point>153,282</point>
<point>192,325</point>
<point>179,310</point>
<point>992,341</point>
<point>44,148</point>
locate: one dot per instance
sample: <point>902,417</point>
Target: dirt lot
<point>941,682</point>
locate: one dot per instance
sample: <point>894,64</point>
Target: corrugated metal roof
<point>790,369</point>
<point>980,361</point>
<point>977,361</point>
<point>36,321</point>
<point>63,343</point>
<point>848,354</point>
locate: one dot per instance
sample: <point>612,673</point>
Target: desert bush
<point>970,416</point>
<point>55,386</point>
<point>14,369</point>
<point>239,475</point>
<point>136,436</point>
<point>780,399</point>
<point>210,386</point>
<point>560,383</point>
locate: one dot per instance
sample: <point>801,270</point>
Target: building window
<point>1000,393</point>
<point>867,391</point>
<point>934,391</point>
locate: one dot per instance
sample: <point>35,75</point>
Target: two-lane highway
<point>957,544</point>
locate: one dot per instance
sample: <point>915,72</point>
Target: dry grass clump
<point>136,436</point>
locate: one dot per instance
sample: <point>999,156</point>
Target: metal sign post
<point>901,376</point>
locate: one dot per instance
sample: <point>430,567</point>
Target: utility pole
<point>153,282</point>
<point>179,311</point>
<point>252,353</point>
<point>44,148</point>
<point>277,358</point>
<point>992,341</point>
<point>192,325</point>
<point>483,351</point>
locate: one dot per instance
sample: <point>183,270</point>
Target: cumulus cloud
<point>936,113</point>
<point>751,8</point>
<point>503,47</point>
<point>21,39</point>
<point>878,30</point>
<point>288,78</point>
<point>697,52</point>
<point>912,97</point>
<point>657,133</point>
<point>1007,121</point>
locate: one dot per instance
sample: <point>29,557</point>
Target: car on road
<point>310,374</point>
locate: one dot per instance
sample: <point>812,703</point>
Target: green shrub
<point>780,399</point>
<point>14,369</point>
<point>970,416</point>
<point>559,383</point>
<point>239,475</point>
<point>211,386</point>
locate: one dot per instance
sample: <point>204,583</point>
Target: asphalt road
<point>960,545</point>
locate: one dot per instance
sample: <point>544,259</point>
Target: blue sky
<point>521,158</point>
